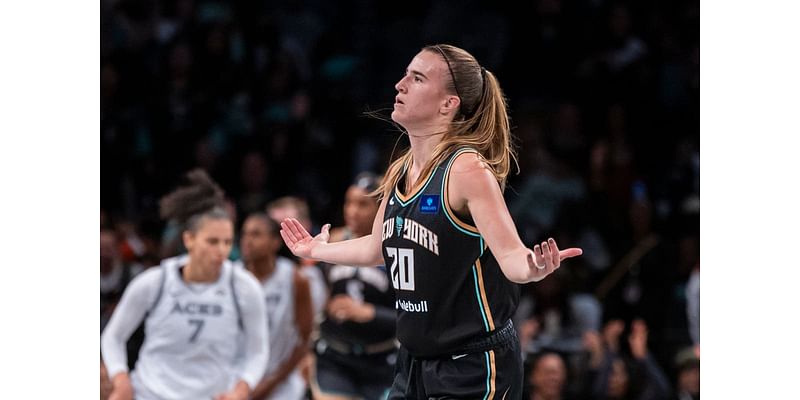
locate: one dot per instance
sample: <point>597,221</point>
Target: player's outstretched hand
<point>546,258</point>
<point>298,239</point>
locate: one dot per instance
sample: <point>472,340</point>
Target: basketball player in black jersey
<point>445,234</point>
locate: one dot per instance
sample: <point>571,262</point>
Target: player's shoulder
<point>243,278</point>
<point>299,279</point>
<point>149,276</point>
<point>146,283</point>
<point>469,161</point>
<point>285,262</point>
<point>470,173</point>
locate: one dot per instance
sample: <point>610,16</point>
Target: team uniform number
<point>402,268</point>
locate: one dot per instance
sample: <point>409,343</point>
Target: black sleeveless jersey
<point>449,287</point>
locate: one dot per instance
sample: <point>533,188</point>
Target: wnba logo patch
<point>429,204</point>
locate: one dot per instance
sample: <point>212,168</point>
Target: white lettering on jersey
<point>413,231</point>
<point>196,309</point>
<point>408,306</point>
<point>388,229</point>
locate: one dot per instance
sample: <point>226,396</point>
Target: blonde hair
<point>481,122</point>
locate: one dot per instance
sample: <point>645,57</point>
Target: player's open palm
<point>546,258</point>
<point>298,239</point>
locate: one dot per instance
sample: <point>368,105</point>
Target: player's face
<point>211,244</point>
<point>421,92</point>
<point>257,242</point>
<point>359,211</point>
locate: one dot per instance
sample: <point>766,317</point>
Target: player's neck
<point>193,273</point>
<point>263,268</point>
<point>539,396</point>
<point>422,151</point>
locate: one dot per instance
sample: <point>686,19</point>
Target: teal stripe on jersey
<point>441,195</point>
<point>488,376</point>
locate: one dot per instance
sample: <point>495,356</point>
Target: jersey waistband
<point>497,338</point>
<point>356,349</point>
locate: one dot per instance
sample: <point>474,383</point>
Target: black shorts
<point>367,377</point>
<point>493,373</point>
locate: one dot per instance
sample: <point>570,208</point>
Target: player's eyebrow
<point>417,73</point>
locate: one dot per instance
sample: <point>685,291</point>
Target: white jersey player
<point>200,313</point>
<point>289,309</point>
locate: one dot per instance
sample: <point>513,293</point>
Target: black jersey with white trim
<point>449,287</point>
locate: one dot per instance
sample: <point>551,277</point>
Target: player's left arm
<point>254,321</point>
<point>474,189</point>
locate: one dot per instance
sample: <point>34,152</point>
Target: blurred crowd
<point>271,98</point>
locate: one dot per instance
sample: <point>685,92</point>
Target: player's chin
<point>397,116</point>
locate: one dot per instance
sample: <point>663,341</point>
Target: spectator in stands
<point>620,377</point>
<point>548,377</point>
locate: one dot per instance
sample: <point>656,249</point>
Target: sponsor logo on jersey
<point>408,306</point>
<point>196,309</point>
<point>429,204</point>
<point>273,299</point>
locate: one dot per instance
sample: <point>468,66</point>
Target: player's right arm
<point>127,316</point>
<point>362,252</point>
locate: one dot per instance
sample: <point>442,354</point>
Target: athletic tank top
<point>449,288</point>
<point>192,337</point>
<point>280,297</point>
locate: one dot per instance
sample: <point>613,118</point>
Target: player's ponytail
<point>189,204</point>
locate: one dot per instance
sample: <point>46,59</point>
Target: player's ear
<point>450,105</point>
<point>188,239</point>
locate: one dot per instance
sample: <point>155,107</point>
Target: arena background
<point>270,99</point>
